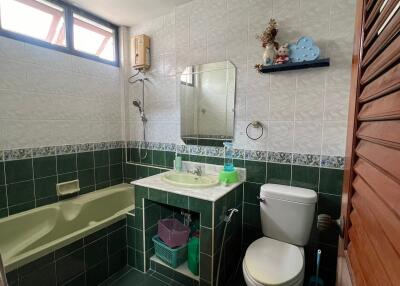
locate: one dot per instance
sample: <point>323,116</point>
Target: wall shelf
<point>295,66</point>
<point>183,268</point>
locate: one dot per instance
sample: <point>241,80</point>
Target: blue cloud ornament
<point>304,50</point>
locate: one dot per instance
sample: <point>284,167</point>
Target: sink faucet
<point>196,171</point>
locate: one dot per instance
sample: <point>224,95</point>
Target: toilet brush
<point>315,280</point>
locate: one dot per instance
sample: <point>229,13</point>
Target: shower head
<point>137,104</point>
<point>229,214</point>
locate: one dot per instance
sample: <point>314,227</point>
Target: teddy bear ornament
<point>267,39</point>
<point>282,54</point>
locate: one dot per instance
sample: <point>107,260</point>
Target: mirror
<point>207,95</point>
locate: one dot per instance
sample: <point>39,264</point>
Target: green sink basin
<point>190,180</point>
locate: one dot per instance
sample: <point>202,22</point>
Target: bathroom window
<point>93,38</point>
<point>57,25</point>
<point>187,76</point>
<point>37,19</point>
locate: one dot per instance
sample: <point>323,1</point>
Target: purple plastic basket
<point>172,232</point>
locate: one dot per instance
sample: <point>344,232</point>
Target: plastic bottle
<point>228,160</point>
<point>193,255</point>
<point>177,163</point>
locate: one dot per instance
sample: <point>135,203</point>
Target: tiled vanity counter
<point>157,199</point>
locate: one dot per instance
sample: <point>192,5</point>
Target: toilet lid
<point>272,262</point>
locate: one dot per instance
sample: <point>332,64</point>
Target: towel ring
<point>255,124</point>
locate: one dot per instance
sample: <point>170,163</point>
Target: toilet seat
<point>272,262</point>
<point>251,282</point>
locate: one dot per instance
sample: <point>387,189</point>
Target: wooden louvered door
<point>369,252</point>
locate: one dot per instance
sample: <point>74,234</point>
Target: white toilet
<point>286,218</point>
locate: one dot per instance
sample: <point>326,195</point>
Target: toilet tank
<point>287,213</point>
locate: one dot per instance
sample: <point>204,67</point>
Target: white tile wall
<point>52,98</point>
<point>303,111</point>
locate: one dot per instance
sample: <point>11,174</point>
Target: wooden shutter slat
<point>368,265</point>
<point>388,221</point>
<point>355,266</point>
<point>385,158</point>
<point>386,83</point>
<point>386,188</point>
<point>363,219</point>
<point>369,4</point>
<point>373,14</point>
<point>379,22</point>
<point>387,107</point>
<point>371,190</point>
<point>377,132</point>
<point>390,31</point>
<point>387,58</point>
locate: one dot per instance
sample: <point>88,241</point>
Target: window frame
<point>69,10</point>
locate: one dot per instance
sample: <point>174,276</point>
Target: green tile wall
<point>231,252</point>
<point>150,203</point>
<point>30,183</point>
<point>326,182</point>
<point>87,261</point>
<point>135,239</point>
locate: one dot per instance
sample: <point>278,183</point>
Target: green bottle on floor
<point>193,255</point>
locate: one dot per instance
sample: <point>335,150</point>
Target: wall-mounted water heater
<point>140,56</point>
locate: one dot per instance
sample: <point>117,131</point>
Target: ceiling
<point>128,12</point>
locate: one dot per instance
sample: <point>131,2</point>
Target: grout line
<point>34,185</point>
<point>6,186</point>
<point>109,167</point>
<point>144,236</point>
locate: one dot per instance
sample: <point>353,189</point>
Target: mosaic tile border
<point>324,161</point>
<point>306,159</point>
<point>312,160</point>
<point>26,153</point>
<point>332,162</point>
